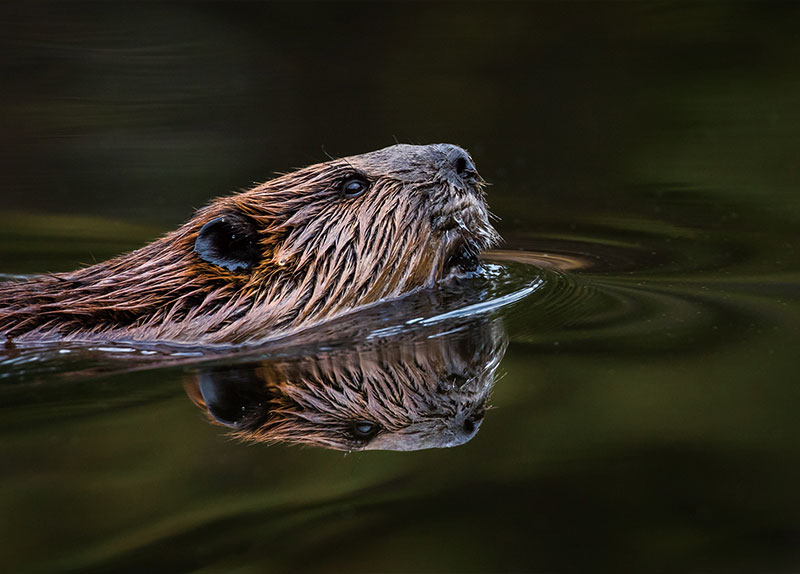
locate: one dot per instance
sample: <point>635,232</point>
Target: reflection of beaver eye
<point>364,429</point>
<point>354,186</point>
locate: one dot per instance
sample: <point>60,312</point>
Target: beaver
<point>428,392</point>
<point>295,251</point>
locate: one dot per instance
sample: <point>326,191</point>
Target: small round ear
<point>229,241</point>
<point>231,396</point>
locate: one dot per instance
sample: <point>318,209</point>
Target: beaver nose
<point>458,162</point>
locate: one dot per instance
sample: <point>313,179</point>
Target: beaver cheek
<point>229,241</point>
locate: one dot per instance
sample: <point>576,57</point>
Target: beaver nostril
<point>469,426</point>
<point>472,421</point>
<point>461,165</point>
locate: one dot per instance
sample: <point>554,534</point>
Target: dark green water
<point>645,403</point>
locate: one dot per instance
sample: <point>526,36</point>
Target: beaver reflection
<point>407,395</point>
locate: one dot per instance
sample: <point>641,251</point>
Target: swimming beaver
<point>294,251</point>
<point>430,392</point>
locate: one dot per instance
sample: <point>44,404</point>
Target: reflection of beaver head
<point>298,249</point>
<point>407,396</point>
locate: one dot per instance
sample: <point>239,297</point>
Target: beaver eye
<point>354,186</point>
<point>364,429</point>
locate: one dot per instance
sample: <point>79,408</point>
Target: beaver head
<point>294,251</point>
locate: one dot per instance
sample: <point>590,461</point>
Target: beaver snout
<point>457,166</point>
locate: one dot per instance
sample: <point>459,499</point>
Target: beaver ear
<point>232,395</point>
<point>229,241</point>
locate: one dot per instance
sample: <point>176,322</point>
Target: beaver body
<point>297,250</point>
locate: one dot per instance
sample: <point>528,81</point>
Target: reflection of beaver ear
<point>230,395</point>
<point>229,241</point>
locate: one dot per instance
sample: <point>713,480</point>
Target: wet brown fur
<point>321,254</point>
<point>421,394</point>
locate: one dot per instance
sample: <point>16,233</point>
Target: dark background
<point>144,111</point>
